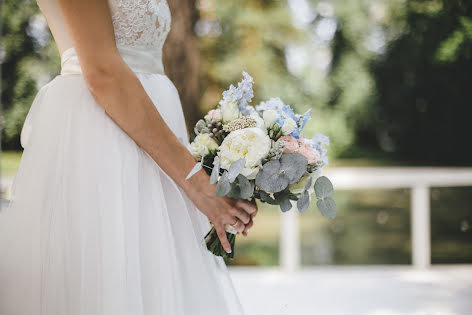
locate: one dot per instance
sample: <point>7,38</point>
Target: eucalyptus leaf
<point>270,179</point>
<point>303,201</point>
<point>246,189</point>
<point>285,205</point>
<point>267,198</point>
<point>293,165</point>
<point>327,207</point>
<point>235,169</point>
<point>224,186</point>
<point>241,188</point>
<point>215,172</point>
<point>195,169</point>
<point>308,183</point>
<point>323,187</point>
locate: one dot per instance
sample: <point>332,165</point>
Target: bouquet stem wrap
<point>214,245</point>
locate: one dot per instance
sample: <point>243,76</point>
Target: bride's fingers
<point>254,214</point>
<point>238,226</point>
<point>220,231</point>
<point>247,206</point>
<point>240,214</point>
<point>247,227</point>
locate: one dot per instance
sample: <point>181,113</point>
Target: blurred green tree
<point>28,59</point>
<point>399,82</point>
<point>422,105</point>
<point>252,36</point>
<point>385,79</point>
<point>182,58</point>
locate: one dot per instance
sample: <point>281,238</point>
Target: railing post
<point>420,227</point>
<point>289,240</point>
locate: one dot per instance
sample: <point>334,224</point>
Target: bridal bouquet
<point>260,153</point>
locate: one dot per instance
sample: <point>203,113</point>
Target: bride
<point>102,220</point>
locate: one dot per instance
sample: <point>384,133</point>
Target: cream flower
<point>289,126</point>
<point>229,110</point>
<point>201,146</point>
<point>252,144</point>
<point>270,116</point>
<point>259,121</point>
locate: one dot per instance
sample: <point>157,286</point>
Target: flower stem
<point>214,245</point>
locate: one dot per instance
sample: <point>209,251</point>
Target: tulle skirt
<point>94,226</point>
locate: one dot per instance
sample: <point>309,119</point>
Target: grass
<point>9,162</point>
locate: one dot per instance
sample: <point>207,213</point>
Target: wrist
<point>199,185</point>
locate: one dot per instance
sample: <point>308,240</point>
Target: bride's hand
<point>221,210</point>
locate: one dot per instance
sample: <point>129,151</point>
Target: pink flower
<point>311,155</point>
<point>291,144</point>
<point>301,140</point>
<point>214,114</point>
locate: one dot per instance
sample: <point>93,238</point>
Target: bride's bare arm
<point>117,89</point>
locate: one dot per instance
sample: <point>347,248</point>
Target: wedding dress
<point>94,226</point>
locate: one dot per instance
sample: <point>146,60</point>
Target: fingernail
<point>228,251</point>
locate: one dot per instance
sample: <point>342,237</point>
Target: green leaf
<point>214,173</point>
<point>224,186</point>
<point>195,169</point>
<point>235,169</point>
<point>293,165</point>
<point>303,201</point>
<point>308,183</point>
<point>327,207</point>
<point>241,188</point>
<point>323,187</point>
<point>245,187</point>
<point>270,179</point>
<point>285,205</point>
<point>267,198</point>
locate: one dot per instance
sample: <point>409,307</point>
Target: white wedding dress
<point>94,226</point>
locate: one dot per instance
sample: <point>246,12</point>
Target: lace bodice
<point>140,23</point>
<point>137,23</point>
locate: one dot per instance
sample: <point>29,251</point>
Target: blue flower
<point>319,141</point>
<point>242,94</point>
<point>303,119</point>
<point>295,133</point>
<point>274,103</point>
<point>287,112</point>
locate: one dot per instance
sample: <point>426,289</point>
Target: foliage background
<point>388,80</point>
<point>385,79</point>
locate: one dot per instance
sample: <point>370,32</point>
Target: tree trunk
<point>182,57</point>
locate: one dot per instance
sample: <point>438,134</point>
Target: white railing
<point>418,179</point>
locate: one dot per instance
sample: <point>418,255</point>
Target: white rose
<point>270,116</point>
<point>201,146</point>
<point>289,126</point>
<point>198,150</point>
<point>259,121</point>
<point>252,144</point>
<point>229,110</point>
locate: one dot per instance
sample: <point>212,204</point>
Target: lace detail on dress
<point>144,23</point>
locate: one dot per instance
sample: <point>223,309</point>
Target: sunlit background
<point>388,81</point>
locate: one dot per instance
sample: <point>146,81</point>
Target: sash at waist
<point>140,60</point>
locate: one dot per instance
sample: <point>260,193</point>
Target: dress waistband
<point>140,60</point>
